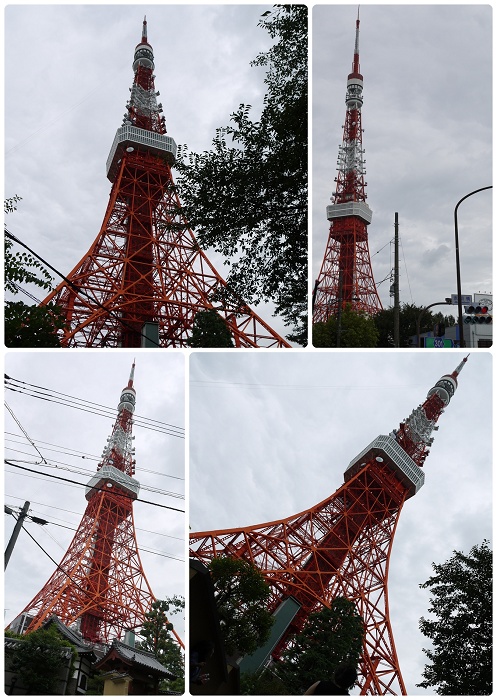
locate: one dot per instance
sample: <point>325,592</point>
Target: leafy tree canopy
<point>329,638</point>
<point>247,196</point>
<point>210,331</point>
<point>241,595</point>
<point>38,660</point>
<point>408,318</point>
<point>157,639</point>
<point>461,627</point>
<point>27,325</point>
<point>357,330</point>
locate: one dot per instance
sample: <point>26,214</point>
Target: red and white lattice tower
<point>145,277</point>
<point>100,583</point>
<point>342,546</point>
<point>346,275</point>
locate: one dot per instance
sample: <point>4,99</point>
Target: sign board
<point>439,343</point>
<point>465,299</point>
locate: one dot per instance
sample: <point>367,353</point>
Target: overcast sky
<point>67,79</point>
<point>427,137</point>
<point>285,428</point>
<point>98,377</point>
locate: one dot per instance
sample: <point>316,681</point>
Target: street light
<point>462,344</point>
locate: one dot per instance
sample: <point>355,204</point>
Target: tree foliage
<point>461,628</point>
<point>157,639</point>
<point>241,595</point>
<point>357,330</point>
<point>408,318</point>
<point>27,325</point>
<point>210,331</point>
<point>329,638</point>
<point>39,660</point>
<point>247,196</point>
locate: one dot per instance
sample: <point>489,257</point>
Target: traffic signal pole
<point>418,324</point>
<point>462,344</point>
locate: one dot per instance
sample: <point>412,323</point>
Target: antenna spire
<point>131,375</point>
<point>144,31</point>
<point>355,64</point>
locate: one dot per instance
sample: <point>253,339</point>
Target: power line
<point>82,455</point>
<point>77,290</point>
<point>79,515</point>
<point>55,396</point>
<point>77,483</point>
<point>89,472</point>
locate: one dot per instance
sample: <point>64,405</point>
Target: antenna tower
<point>342,546</point>
<point>100,584</point>
<point>145,277</point>
<point>346,275</point>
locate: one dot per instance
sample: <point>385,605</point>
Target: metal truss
<point>146,266</point>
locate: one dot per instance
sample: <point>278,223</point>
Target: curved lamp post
<point>462,344</point>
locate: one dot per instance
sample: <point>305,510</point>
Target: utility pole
<point>15,532</point>
<point>396,295</point>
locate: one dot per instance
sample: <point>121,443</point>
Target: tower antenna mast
<point>346,275</point>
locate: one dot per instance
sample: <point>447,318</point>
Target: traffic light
<point>477,314</point>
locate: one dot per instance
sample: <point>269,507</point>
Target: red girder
<point>340,547</point>
<point>100,579</point>
<point>145,265</point>
<point>346,271</point>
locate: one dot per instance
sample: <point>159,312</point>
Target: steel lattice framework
<point>145,275</point>
<point>100,582</point>
<point>346,275</point>
<point>342,546</point>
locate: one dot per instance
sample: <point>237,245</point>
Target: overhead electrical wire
<point>55,396</point>
<point>78,483</point>
<point>77,290</point>
<point>47,522</point>
<point>73,512</point>
<point>91,472</point>
<point>48,446</point>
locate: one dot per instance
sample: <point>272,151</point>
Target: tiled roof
<point>137,656</point>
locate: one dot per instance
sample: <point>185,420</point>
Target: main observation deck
<point>132,137</point>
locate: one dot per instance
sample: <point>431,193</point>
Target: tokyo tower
<point>100,583</point>
<point>145,278</point>
<point>342,546</point>
<point>346,275</point>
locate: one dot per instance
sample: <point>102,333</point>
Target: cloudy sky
<point>67,79</point>
<point>427,138</point>
<point>285,428</point>
<point>56,429</point>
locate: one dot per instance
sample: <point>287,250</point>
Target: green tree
<point>248,198</point>
<point>241,595</point>
<point>210,331</point>
<point>157,639</point>
<point>25,325</point>
<point>408,318</point>
<point>357,330</point>
<point>461,629</point>
<point>329,638</point>
<point>39,659</point>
